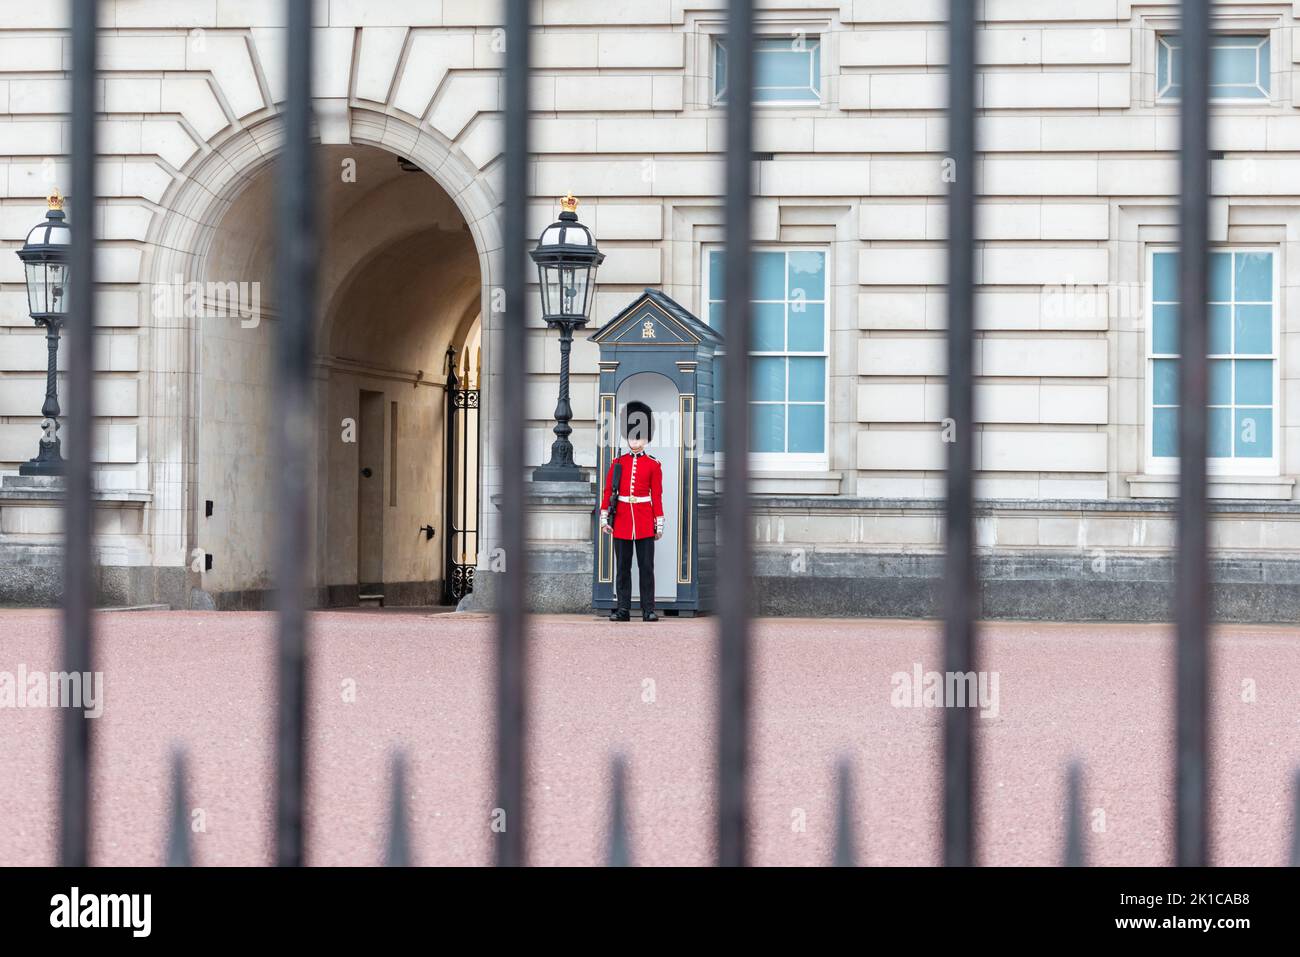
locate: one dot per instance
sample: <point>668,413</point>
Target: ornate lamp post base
<point>559,472</point>
<point>49,460</point>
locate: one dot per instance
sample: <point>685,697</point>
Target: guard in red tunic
<point>638,514</point>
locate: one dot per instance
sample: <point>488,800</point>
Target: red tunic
<point>642,477</point>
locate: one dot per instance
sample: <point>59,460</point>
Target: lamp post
<point>567,259</point>
<point>45,259</point>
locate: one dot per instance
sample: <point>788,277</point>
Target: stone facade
<point>1077,186</point>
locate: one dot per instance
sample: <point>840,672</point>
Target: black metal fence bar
<point>1074,854</point>
<point>299,251</point>
<point>1192,558</point>
<point>78,519</point>
<point>511,373</point>
<point>960,584</point>
<point>734,573</point>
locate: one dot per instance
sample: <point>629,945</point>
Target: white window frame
<point>784,461</point>
<point>1265,36</point>
<point>1168,465</point>
<point>767,31</point>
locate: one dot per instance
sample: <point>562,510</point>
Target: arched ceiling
<point>399,266</point>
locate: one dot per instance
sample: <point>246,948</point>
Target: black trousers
<point>645,564</point>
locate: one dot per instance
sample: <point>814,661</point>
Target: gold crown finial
<point>569,203</point>
<point>55,199</point>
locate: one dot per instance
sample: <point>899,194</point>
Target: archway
<point>400,286</point>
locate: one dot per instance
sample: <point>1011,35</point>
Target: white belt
<point>634,499</point>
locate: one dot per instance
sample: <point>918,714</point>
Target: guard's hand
<point>659,533</point>
<point>607,529</point>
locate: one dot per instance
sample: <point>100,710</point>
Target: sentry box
<point>656,352</point>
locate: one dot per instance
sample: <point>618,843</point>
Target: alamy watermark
<point>179,299</point>
<point>945,689</point>
<point>53,689</point>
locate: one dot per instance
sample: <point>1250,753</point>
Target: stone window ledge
<point>1263,487</point>
<point>795,483</point>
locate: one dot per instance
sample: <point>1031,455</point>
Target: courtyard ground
<point>823,688</point>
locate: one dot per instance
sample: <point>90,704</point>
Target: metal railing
<point>297,268</point>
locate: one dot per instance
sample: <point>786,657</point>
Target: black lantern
<point>45,259</point>
<point>567,259</point>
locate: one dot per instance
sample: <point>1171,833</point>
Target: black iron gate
<point>297,271</point>
<point>461,498</point>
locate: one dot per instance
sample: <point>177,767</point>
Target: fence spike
<point>178,838</point>
<point>1295,823</point>
<point>1074,816</point>
<point>399,840</point>
<point>844,856</point>
<point>619,852</point>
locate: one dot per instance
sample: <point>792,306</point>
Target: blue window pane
<point>769,327</point>
<point>779,94</point>
<point>1220,329</point>
<point>717,279</point>
<point>1240,67</point>
<point>1221,277</point>
<point>1168,67</point>
<point>807,327</point>
<point>1220,437</point>
<point>769,276</point>
<point>807,380</point>
<point>715,315</point>
<point>792,68</point>
<point>719,71</point>
<point>1164,432</point>
<point>1254,381</point>
<point>807,428</point>
<point>767,428</point>
<point>1254,277</point>
<point>787,69</point>
<point>1164,330</point>
<point>1221,382</point>
<point>784,69</point>
<point>1164,389</point>
<point>807,275</point>
<point>1251,92</point>
<point>767,379</point>
<point>1165,277</point>
<point>1254,433</point>
<point>1254,331</point>
<point>1234,65</point>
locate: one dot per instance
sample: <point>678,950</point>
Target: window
<point>788,344</point>
<point>1243,334</point>
<point>1239,67</point>
<point>786,70</point>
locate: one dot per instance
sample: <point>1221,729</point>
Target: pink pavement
<point>1101,693</point>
